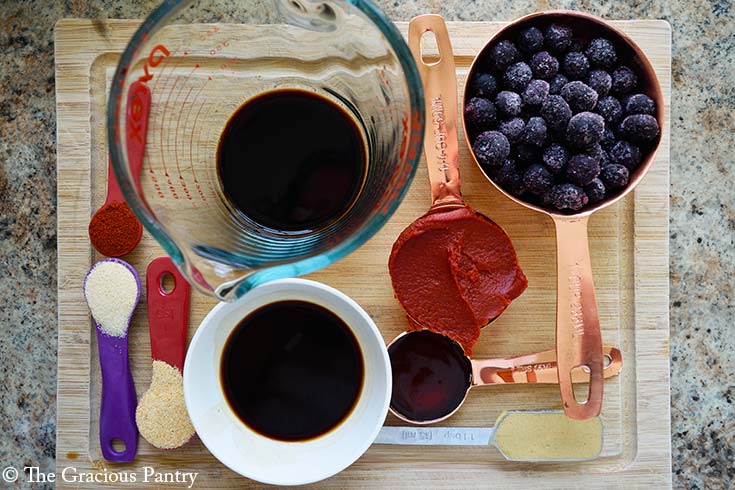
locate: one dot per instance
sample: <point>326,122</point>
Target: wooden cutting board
<point>629,246</point>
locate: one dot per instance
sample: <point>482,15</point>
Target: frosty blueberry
<point>535,93</point>
<point>610,110</point>
<point>480,114</point>
<point>535,132</point>
<point>640,128</point>
<point>568,196</point>
<point>585,129</point>
<point>557,38</point>
<point>638,104</point>
<point>600,81</point>
<point>508,103</point>
<point>595,191</point>
<point>491,148</point>
<point>582,169</point>
<point>537,179</point>
<point>555,157</point>
<point>556,112</point>
<point>601,53</point>
<point>575,65</point>
<point>530,40</point>
<point>502,55</point>
<point>579,96</point>
<point>517,76</point>
<point>512,129</point>
<point>614,176</point>
<point>543,65</point>
<point>557,83</point>
<point>626,154</point>
<point>624,80</point>
<point>484,85</point>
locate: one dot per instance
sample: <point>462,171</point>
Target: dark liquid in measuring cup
<point>291,160</point>
<point>292,370</point>
<point>431,375</point>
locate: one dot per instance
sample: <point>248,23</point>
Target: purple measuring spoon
<point>119,401</point>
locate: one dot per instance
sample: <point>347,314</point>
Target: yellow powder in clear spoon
<point>547,436</point>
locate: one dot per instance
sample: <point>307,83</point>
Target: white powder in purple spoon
<point>111,291</point>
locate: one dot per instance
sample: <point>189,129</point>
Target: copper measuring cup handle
<point>440,98</point>
<point>539,368</point>
<point>578,338</point>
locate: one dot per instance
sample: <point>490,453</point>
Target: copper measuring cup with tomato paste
<point>432,375</point>
<point>453,270</point>
<point>578,337</point>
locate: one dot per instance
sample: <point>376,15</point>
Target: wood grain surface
<point>629,247</point>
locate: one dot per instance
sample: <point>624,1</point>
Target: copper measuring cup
<point>536,368</point>
<point>578,337</point>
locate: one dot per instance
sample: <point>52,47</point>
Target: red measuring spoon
<point>168,312</point>
<point>114,230</point>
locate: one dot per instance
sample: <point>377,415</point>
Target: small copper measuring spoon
<point>578,337</point>
<point>432,376</point>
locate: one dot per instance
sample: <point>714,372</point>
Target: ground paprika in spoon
<point>453,270</point>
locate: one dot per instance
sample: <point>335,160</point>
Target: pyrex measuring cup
<point>201,61</point>
<point>578,336</point>
<point>432,375</point>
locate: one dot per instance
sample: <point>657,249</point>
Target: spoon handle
<point>539,368</point>
<point>440,94</point>
<point>117,413</point>
<point>168,312</point>
<point>435,436</point>
<point>136,127</point>
<point>578,337</point>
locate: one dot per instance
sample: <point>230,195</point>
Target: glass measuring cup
<point>432,375</point>
<point>199,61</point>
<point>578,336</point>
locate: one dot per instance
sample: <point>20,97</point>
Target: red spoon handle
<point>114,194</point>
<point>168,313</point>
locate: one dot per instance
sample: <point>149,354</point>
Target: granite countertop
<point>702,217</point>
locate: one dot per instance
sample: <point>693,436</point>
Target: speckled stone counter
<point>702,218</point>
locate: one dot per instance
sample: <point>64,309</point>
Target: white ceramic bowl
<point>253,455</point>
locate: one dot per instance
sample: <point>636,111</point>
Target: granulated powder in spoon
<point>112,292</point>
<point>161,416</point>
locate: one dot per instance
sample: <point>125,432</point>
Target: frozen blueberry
<point>537,179</point>
<point>582,169</point>
<point>535,132</point>
<point>555,157</point>
<point>543,65</point>
<point>609,108</point>
<point>502,55</point>
<point>639,128</point>
<point>608,138</point>
<point>508,103</point>
<point>556,112</point>
<point>508,177</point>
<point>512,129</point>
<point>526,154</point>
<point>484,85</point>
<point>575,65</point>
<point>600,81</point>
<point>568,196</point>
<point>595,191</point>
<point>576,45</point>
<point>557,38</point>
<point>624,81</point>
<point>638,104</point>
<point>535,93</point>
<point>517,76</point>
<point>557,83</point>
<point>596,152</point>
<point>585,129</point>
<point>480,114</point>
<point>530,40</point>
<point>626,154</point>
<point>579,96</point>
<point>614,176</point>
<point>491,148</point>
<point>601,53</point>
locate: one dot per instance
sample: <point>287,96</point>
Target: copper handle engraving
<point>540,368</point>
<point>578,338</point>
<point>440,95</point>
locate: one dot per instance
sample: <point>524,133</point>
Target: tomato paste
<point>453,272</point>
